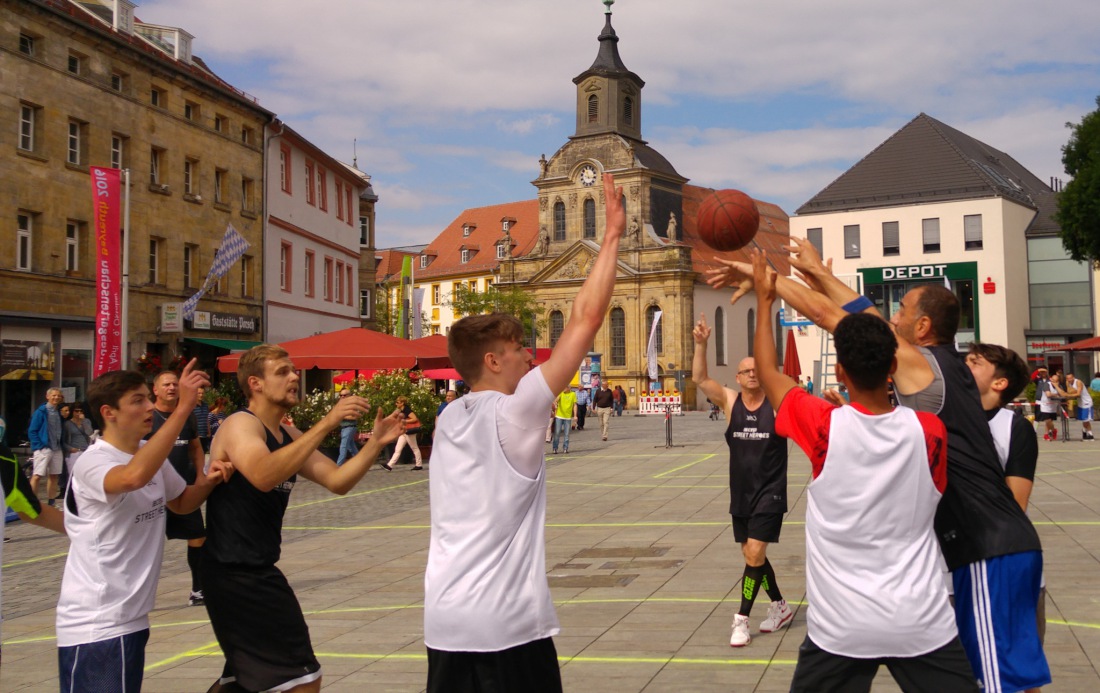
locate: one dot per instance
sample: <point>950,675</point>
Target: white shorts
<point>47,462</point>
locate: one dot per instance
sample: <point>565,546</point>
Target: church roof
<point>772,235</point>
<point>484,235</point>
<point>928,161</point>
<point>608,62</point>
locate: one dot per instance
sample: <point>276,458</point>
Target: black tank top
<point>977,517</point>
<point>244,525</point>
<point>758,461</point>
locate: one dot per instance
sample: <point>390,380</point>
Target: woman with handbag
<point>412,427</point>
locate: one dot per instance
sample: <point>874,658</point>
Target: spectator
<point>621,404</point>
<point>75,438</point>
<point>349,430</point>
<point>217,415</point>
<point>202,421</point>
<point>45,436</point>
<point>412,427</point>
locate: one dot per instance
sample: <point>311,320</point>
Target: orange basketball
<point>727,220</point>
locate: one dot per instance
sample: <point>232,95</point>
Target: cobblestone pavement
<point>640,556</point>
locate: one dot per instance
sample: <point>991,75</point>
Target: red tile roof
<point>389,265</point>
<point>772,235</point>
<point>447,246</point>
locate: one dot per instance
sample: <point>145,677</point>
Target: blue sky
<point>452,102</point>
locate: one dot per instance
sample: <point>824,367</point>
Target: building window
<point>618,337</point>
<point>347,193</point>
<point>557,324</point>
<point>284,169</point>
<point>593,108</point>
<point>972,231</point>
<point>851,241</point>
<point>364,232</point>
<point>285,257</point>
<point>310,191</point>
<point>501,252</point>
<point>473,286</point>
<point>24,236</point>
<point>119,147</point>
<point>72,246</point>
<point>589,218</point>
<point>248,194</point>
<point>891,238</point>
<point>76,142</point>
<point>28,121</point>
<point>750,330</point>
<point>220,175</point>
<point>308,279</point>
<point>338,283</point>
<point>423,261</point>
<point>466,228</point>
<point>1059,287</point>
<point>76,64</point>
<point>719,336</point>
<point>628,111</point>
<point>158,97</point>
<point>349,291</point>
<point>156,257</point>
<point>191,110</point>
<point>930,229</point>
<point>326,279</point>
<point>247,134</point>
<point>364,304</point>
<point>155,160</point>
<point>27,44</point>
<point>190,262</point>
<point>322,189</point>
<point>465,255</point>
<point>221,123</point>
<point>246,276</point>
<point>659,340</point>
<point>436,294</point>
<point>559,221</point>
<point>340,200</point>
<point>814,237</point>
<point>190,176</point>
<point>118,81</point>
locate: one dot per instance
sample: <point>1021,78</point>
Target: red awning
<point>1090,344</point>
<point>441,374</point>
<point>354,348</point>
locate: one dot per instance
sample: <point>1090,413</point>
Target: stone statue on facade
<point>633,238</point>
<point>671,231</point>
<point>542,245</point>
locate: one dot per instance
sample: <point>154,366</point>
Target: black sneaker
<point>196,599</point>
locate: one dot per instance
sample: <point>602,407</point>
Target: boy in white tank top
<point>872,575</point>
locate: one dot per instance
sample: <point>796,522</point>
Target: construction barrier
<point>657,401</point>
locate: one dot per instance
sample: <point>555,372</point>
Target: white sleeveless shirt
<point>872,579</point>
<point>485,586</point>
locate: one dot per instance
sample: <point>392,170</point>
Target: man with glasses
<point>758,483</point>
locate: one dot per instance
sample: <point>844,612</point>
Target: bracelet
<point>858,305</point>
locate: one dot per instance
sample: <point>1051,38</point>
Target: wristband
<point>858,305</point>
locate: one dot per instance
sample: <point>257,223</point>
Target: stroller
<point>715,413</point>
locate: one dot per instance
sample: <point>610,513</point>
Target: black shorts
<point>187,526</point>
<point>1045,416</point>
<point>945,669</point>
<point>762,527</point>
<point>531,667</point>
<point>259,626</point>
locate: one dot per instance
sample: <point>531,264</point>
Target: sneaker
<point>196,599</point>
<point>779,615</point>
<point>1046,436</point>
<point>740,635</point>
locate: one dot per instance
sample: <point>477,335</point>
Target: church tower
<point>609,96</point>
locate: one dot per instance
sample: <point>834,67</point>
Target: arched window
<point>589,218</point>
<point>557,324</point>
<point>618,337</point>
<point>593,108</point>
<point>650,312</point>
<point>751,330</point>
<point>719,336</point>
<point>628,111</point>
<point>559,221</point>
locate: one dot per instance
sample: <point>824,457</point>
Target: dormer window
<point>504,225</point>
<point>465,255</point>
<point>467,229</point>
<point>501,251</point>
<point>423,261</point>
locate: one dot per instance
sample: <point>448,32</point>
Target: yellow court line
<point>34,560</point>
<point>354,495</point>
<point>207,650</point>
<point>1068,471</point>
<point>704,458</point>
<point>579,659</point>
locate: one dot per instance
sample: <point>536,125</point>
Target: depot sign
<point>894,274</point>
<point>920,273</point>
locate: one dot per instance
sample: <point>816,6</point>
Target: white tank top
<point>872,579</point>
<point>485,586</point>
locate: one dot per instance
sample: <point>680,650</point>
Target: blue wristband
<point>858,305</point>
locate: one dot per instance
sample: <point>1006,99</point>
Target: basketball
<point>727,220</point>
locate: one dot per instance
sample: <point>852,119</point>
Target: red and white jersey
<point>873,580</point>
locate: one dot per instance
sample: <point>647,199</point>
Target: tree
<point>513,301</point>
<point>1079,202</point>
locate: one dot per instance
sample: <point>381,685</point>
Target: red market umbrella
<point>441,374</point>
<point>354,348</point>
<point>348,376</point>
<point>1090,344</point>
<point>791,367</point>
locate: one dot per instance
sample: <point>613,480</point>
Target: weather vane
<point>609,3</point>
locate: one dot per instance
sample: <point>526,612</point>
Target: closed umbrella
<point>791,367</point>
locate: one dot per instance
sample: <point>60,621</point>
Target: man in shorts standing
<point>255,615</point>
<point>45,438</point>
<point>1046,397</point>
<point>488,617</point>
<point>187,458</point>
<point>119,491</point>
<point>758,483</point>
<point>1075,388</point>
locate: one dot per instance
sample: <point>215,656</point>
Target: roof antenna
<point>354,153</point>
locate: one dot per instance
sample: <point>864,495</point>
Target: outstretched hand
<point>806,259</point>
<point>701,333</point>
<point>387,428</point>
<point>613,209</point>
<point>190,380</point>
<point>763,277</point>
<point>350,408</point>
<point>734,273</point>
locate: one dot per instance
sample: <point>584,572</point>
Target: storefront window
<point>76,369</point>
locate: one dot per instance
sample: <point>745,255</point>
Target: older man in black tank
<point>758,483</point>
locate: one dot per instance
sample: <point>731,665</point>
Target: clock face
<point>588,176</point>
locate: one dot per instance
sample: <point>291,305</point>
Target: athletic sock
<point>194,561</point>
<point>767,581</point>
<point>750,585</point>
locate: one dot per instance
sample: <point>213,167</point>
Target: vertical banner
<point>404,296</point>
<point>418,301</point>
<point>651,352</point>
<point>106,203</point>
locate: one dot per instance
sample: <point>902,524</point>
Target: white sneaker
<point>740,635</point>
<point>779,615</point>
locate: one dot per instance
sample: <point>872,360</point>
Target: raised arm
<point>590,304</point>
<point>776,385</point>
<point>340,479</point>
<point>715,391</point>
<point>817,307</point>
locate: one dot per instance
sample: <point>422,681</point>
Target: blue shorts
<point>995,602</point>
<point>1084,414</point>
<point>107,665</point>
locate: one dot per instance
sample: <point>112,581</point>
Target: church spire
<point>608,94</point>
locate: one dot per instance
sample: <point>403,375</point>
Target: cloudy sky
<point>452,102</point>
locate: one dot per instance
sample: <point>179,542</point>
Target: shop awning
<point>230,344</point>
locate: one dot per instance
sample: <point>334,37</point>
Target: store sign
<point>1038,345</point>
<point>171,318</point>
<point>919,273</point>
<point>907,272</point>
<point>20,360</point>
<point>225,322</point>
<point>201,320</point>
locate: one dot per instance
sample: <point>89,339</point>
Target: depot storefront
<point>886,286</point>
